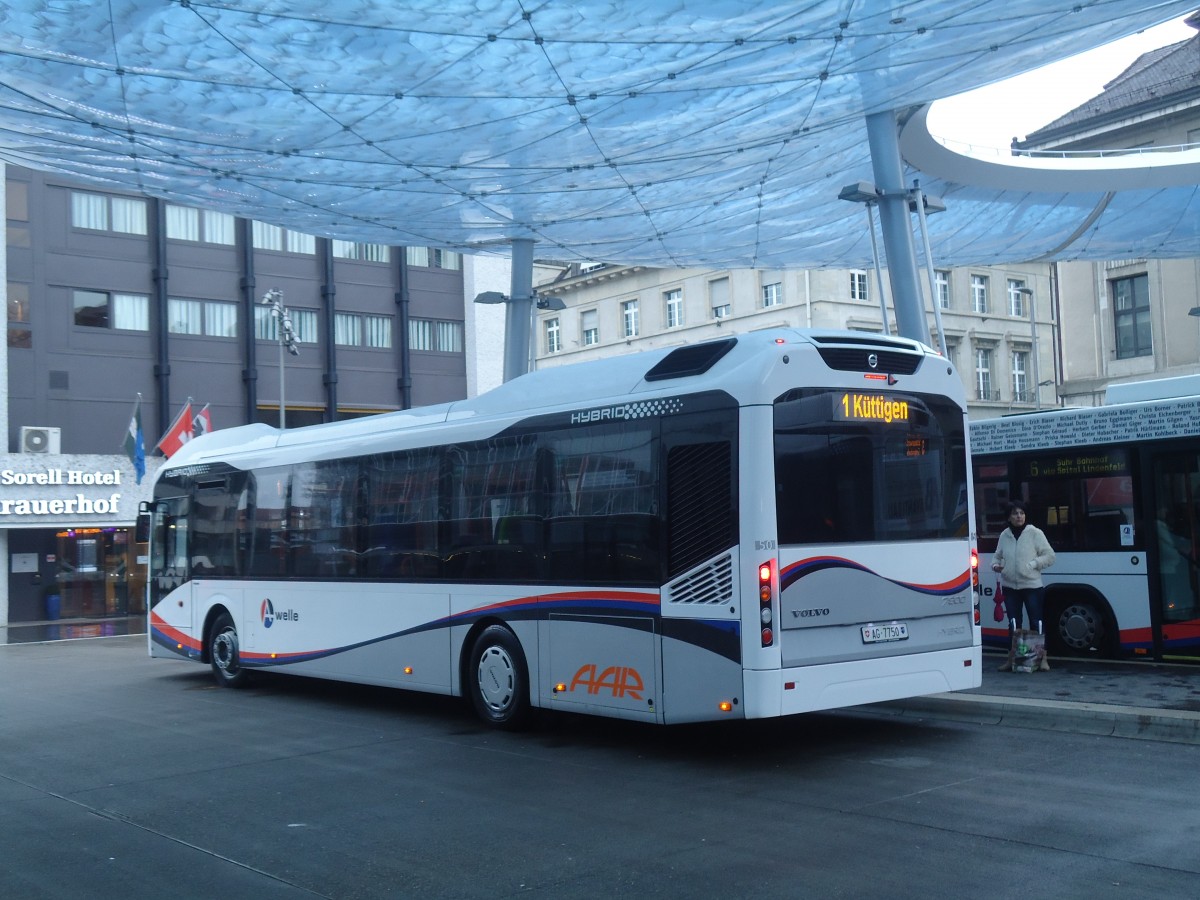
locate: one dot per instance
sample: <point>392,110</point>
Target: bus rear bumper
<point>785,692</point>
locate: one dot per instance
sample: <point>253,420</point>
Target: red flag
<point>178,434</point>
<point>202,423</point>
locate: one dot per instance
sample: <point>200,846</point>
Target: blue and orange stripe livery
<point>790,574</point>
<point>599,602</point>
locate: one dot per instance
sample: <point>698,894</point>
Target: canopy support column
<point>884,141</point>
<point>518,316</point>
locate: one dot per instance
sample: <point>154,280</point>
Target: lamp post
<point>287,337</point>
<point>539,302</point>
<point>1037,381</point>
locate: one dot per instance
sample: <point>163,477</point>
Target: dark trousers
<point>1031,599</point>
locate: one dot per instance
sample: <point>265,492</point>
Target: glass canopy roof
<point>661,132</point>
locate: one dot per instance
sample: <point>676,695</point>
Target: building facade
<point>112,297</point>
<point>1133,318</point>
<point>1000,324</point>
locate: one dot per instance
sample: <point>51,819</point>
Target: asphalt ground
<point>1147,700</point>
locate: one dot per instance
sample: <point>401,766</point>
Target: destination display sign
<point>853,406</point>
<point>1085,464</point>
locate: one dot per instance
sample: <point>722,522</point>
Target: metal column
<point>896,226</point>
<point>518,316</point>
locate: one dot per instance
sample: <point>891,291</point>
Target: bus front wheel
<point>223,653</point>
<point>498,679</point>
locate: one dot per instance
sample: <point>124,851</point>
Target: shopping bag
<point>998,612</point>
<point>1029,651</point>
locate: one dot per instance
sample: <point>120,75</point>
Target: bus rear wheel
<point>498,679</point>
<point>223,653</point>
<point>1081,628</point>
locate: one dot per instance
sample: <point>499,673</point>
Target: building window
<point>362,252</point>
<point>215,318</point>
<point>1020,370</point>
<point>858,286</point>
<point>100,309</point>
<point>347,330</point>
<point>446,259</point>
<point>629,318</point>
<point>553,332</point>
<point>1016,300</point>
<point>589,327</point>
<point>674,302</point>
<point>301,243</point>
<point>772,294</point>
<point>718,298</point>
<point>979,293</point>
<point>357,330</point>
<point>266,237</point>
<point>435,335</point>
<point>378,331</point>
<point>983,374</point>
<point>19,334</point>
<point>186,223</point>
<point>304,324</point>
<point>941,281</point>
<point>1131,315</point>
<point>100,212</point>
<point>432,257</point>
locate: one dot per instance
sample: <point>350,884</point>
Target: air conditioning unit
<point>40,439</point>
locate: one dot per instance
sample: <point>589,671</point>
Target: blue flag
<point>135,442</point>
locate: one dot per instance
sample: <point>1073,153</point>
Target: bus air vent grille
<point>856,359</point>
<point>710,585</point>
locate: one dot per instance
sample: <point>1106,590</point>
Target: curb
<point>1139,723</point>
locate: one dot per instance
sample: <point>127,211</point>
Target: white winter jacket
<point>1023,559</point>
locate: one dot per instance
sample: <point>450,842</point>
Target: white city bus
<point>1117,491</point>
<point>757,526</point>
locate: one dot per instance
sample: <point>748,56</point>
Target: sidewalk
<point>71,629</point>
<point>1147,700</point>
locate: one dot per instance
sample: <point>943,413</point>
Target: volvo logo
<point>873,360</point>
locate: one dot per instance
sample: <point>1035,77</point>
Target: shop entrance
<point>98,573</point>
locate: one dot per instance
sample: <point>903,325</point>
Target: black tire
<point>224,654</point>
<point>498,679</point>
<point>1080,627</point>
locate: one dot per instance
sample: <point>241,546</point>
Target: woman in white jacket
<point>1021,555</point>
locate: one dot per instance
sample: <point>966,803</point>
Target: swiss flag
<point>178,434</point>
<point>202,423</point>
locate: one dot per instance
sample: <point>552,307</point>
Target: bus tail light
<point>975,583</point>
<point>765,592</point>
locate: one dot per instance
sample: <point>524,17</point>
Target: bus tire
<point>498,679</point>
<point>223,653</point>
<point>1081,627</point>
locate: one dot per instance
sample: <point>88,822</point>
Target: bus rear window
<point>868,467</point>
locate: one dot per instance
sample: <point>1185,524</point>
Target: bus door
<point>169,568</point>
<point>1176,480</point>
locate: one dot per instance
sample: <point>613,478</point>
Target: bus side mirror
<point>141,532</point>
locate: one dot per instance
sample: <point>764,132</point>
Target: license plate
<point>876,634</point>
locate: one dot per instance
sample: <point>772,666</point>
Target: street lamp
<point>287,337</point>
<point>867,194</point>
<point>919,202</point>
<point>1037,383</point>
<point>512,364</point>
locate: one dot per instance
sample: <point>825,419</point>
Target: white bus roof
<point>734,364</point>
<point>1152,389</point>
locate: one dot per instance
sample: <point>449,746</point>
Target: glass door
<point>1176,478</point>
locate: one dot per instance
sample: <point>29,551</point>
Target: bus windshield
<point>868,466</point>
